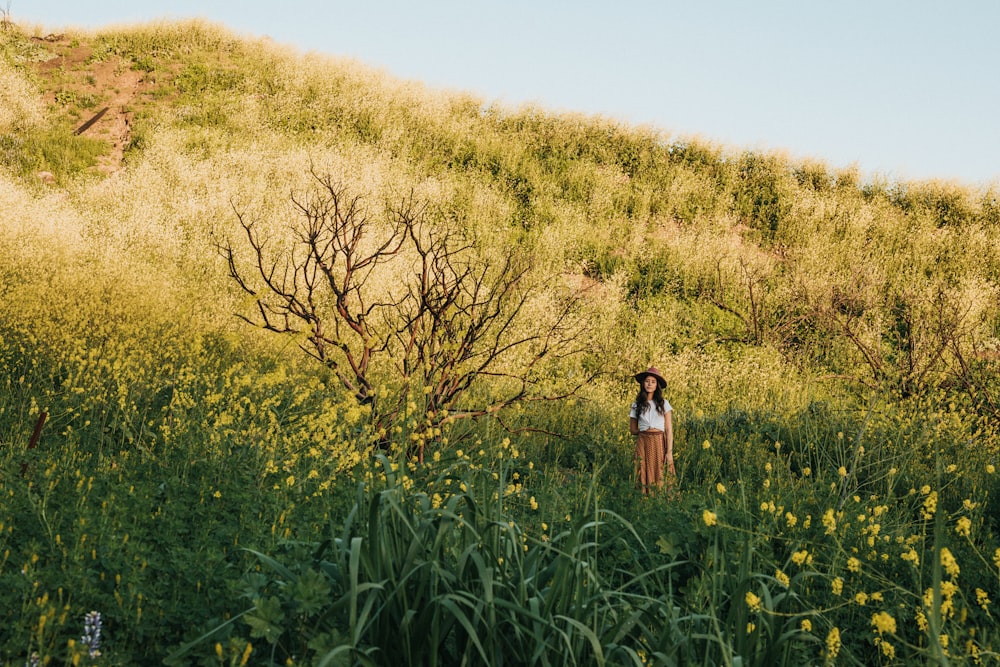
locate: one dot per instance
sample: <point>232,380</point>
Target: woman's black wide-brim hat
<point>652,370</point>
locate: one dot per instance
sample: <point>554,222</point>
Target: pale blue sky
<point>902,88</point>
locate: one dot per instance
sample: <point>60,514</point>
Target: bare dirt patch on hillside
<point>80,88</point>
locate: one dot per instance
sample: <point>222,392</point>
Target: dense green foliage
<point>831,346</point>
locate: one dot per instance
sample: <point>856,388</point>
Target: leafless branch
<point>451,317</point>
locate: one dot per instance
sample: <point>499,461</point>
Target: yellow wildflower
<point>930,506</point>
<point>963,526</point>
<point>861,599</point>
<point>837,585</point>
<point>720,488</point>
<point>948,563</point>
<point>829,522</point>
<point>706,445</point>
<point>884,622</point>
<point>833,643</point>
<point>800,557</point>
<point>753,601</point>
<point>782,578</point>
<point>982,598</point>
<point>806,625</point>
<point>709,517</point>
<point>853,564</point>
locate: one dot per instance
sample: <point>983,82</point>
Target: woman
<point>650,420</point>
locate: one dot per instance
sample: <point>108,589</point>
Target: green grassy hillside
<point>831,345</point>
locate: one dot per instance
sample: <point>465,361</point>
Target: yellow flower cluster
<point>911,556</point>
<point>949,563</point>
<point>829,522</point>
<point>884,623</point>
<point>888,650</point>
<point>800,557</point>
<point>833,643</point>
<point>929,506</point>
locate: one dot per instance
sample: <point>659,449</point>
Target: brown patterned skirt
<point>650,450</point>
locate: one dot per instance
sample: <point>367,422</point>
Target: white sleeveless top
<point>651,419</point>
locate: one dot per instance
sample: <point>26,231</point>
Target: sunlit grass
<point>830,347</point>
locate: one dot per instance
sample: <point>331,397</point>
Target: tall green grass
<point>830,345</point>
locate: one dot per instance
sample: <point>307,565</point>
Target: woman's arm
<point>633,426</point>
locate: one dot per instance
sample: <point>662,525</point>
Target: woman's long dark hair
<point>641,404</point>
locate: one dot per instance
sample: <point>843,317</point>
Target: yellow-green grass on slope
<point>832,342</point>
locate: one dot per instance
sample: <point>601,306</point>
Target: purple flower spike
<point>92,634</point>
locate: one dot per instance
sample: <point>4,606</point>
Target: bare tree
<point>912,340</point>
<point>752,317</point>
<point>448,318</point>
